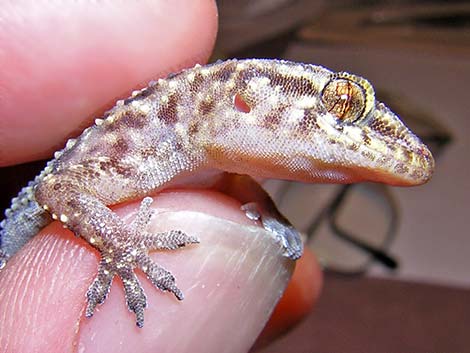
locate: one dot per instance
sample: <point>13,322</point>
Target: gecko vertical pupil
<point>344,99</point>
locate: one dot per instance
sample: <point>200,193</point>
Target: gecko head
<point>322,126</point>
<point>370,137</point>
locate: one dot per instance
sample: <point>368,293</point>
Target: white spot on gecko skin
<point>354,132</point>
<point>230,84</point>
<point>257,83</point>
<point>99,122</point>
<point>191,76</point>
<point>299,69</point>
<point>240,66</point>
<point>284,69</point>
<point>250,119</point>
<point>273,99</point>
<point>112,138</point>
<point>216,85</point>
<point>306,102</point>
<point>378,146</point>
<point>142,106</point>
<point>70,143</point>
<point>180,129</point>
<point>63,218</point>
<point>295,116</point>
<point>110,119</point>
<point>327,124</point>
<point>145,108</point>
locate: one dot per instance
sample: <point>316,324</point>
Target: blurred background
<point>397,260</point>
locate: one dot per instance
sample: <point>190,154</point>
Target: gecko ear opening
<point>240,104</point>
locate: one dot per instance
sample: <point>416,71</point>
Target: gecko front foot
<point>121,258</point>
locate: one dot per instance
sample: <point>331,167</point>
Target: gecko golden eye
<point>344,99</point>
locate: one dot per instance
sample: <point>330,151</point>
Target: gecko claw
<point>99,289</point>
<point>160,277</point>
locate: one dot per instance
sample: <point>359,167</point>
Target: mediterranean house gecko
<point>262,118</point>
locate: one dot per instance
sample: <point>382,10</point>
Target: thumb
<point>231,281</point>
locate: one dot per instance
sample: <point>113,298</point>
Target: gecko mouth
<point>402,153</point>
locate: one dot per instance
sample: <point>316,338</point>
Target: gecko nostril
<point>240,104</point>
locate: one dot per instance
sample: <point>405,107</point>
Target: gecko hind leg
<point>258,205</point>
<point>275,223</point>
<point>122,260</point>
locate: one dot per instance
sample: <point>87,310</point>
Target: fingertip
<point>233,278</point>
<point>43,292</point>
<point>58,80</point>
<point>298,300</point>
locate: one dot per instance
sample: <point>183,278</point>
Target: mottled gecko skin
<point>263,118</point>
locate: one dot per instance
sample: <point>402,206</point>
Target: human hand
<point>62,64</point>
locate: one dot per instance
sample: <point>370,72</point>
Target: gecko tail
<point>23,220</point>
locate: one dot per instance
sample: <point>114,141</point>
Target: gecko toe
<point>99,289</point>
<point>171,240</point>
<point>160,277</point>
<point>135,296</point>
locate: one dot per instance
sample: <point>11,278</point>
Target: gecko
<point>261,118</point>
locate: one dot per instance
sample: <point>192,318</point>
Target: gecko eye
<point>345,99</point>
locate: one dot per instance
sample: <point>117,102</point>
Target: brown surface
<point>378,315</point>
